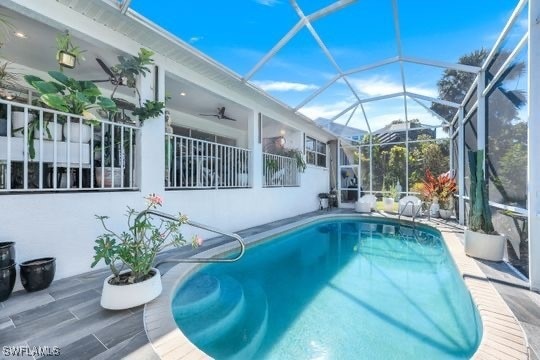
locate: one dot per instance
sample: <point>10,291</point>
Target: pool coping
<point>502,335</point>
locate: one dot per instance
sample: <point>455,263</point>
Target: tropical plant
<point>7,78</point>
<point>69,95</point>
<point>297,155</point>
<point>128,69</point>
<point>442,187</point>
<point>135,249</point>
<point>6,27</point>
<point>65,44</point>
<point>479,213</point>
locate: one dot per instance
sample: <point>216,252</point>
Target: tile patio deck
<point>68,314</point>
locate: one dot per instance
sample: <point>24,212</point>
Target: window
<point>315,152</point>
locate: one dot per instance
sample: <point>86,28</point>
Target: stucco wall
<point>63,225</point>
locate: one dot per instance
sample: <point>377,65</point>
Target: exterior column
<point>461,166</point>
<point>151,141</point>
<point>255,145</point>
<point>533,173</point>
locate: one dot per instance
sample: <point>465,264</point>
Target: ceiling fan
<point>113,78</point>
<point>220,114</point>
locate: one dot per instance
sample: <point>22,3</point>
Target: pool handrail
<point>200,226</point>
<point>414,214</point>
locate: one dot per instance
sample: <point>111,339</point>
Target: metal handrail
<point>414,214</point>
<point>200,226</point>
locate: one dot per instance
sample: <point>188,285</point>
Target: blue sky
<point>239,33</point>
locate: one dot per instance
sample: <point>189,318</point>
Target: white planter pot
<point>107,177</point>
<point>434,210</point>
<point>77,132</point>
<point>484,246</point>
<point>17,122</point>
<point>119,297</point>
<point>446,214</point>
<point>388,204</point>
<point>54,135</point>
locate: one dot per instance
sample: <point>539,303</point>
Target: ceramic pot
<point>77,132</point>
<point>484,246</point>
<point>8,275</point>
<point>7,254</point>
<point>118,297</point>
<point>445,214</point>
<point>17,122</point>
<point>37,274</point>
<point>388,204</point>
<point>107,177</point>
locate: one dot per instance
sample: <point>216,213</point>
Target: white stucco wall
<point>63,224</point>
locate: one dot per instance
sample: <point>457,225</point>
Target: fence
<point>199,164</point>
<point>46,150</point>
<point>280,171</point>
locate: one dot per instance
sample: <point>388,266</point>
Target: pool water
<point>337,289</point>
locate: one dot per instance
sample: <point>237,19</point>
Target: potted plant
<point>127,71</point>
<point>130,255</point>
<point>71,96</point>
<point>440,192</point>
<point>389,196</point>
<point>481,239</point>
<point>67,54</point>
<point>298,156</point>
<point>7,80</point>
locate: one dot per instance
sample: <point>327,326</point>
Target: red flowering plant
<point>442,187</point>
<point>136,249</point>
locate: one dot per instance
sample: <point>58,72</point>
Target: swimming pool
<point>336,289</point>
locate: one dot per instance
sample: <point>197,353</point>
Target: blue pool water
<point>337,289</point>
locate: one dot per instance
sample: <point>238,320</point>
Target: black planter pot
<point>37,274</point>
<point>8,275</point>
<point>7,254</point>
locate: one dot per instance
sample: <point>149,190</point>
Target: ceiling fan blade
<point>100,81</point>
<point>208,115</point>
<point>105,68</point>
<point>227,118</point>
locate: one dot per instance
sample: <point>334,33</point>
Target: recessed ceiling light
<point>183,93</point>
<point>20,35</point>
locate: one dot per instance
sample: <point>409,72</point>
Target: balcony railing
<point>47,150</point>
<point>280,171</point>
<point>198,164</point>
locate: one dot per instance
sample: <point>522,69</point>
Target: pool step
<point>199,293</point>
<point>213,321</point>
<point>245,338</point>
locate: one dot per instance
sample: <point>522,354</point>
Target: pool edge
<point>502,335</point>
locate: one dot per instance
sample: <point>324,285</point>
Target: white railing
<point>280,171</point>
<point>47,150</point>
<point>199,164</point>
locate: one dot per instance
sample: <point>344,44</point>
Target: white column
<point>151,142</point>
<point>533,174</point>
<point>254,136</point>
<point>461,166</point>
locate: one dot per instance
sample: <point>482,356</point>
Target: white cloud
<point>194,39</point>
<point>268,85</point>
<point>326,111</point>
<point>378,85</point>
<point>268,2</point>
